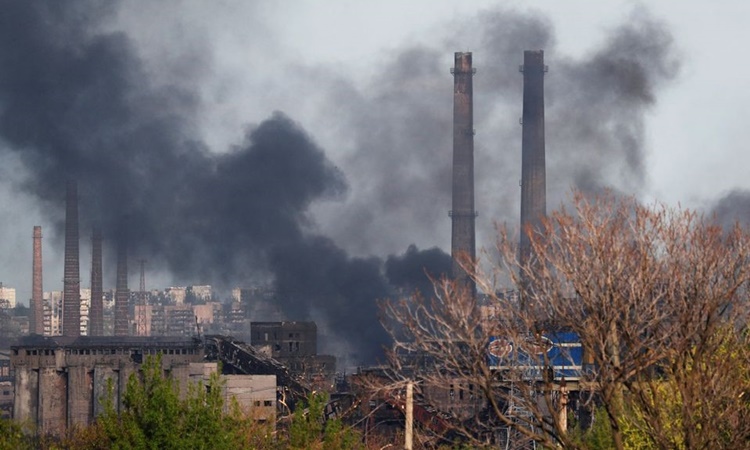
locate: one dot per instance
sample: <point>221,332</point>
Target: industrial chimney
<point>36,325</point>
<point>122,294</point>
<point>71,275</point>
<point>96,313</point>
<point>463,215</point>
<point>533,176</point>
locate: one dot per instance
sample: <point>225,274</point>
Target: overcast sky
<point>369,83</point>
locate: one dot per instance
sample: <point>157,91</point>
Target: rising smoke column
<point>84,107</point>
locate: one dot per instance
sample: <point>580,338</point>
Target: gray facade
<point>60,381</point>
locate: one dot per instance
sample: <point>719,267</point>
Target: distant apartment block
<point>7,297</point>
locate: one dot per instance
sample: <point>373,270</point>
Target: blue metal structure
<point>559,354</point>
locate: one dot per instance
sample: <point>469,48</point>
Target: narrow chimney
<point>463,215</point>
<point>96,313</point>
<point>71,275</point>
<point>533,176</point>
<point>36,325</point>
<point>122,294</point>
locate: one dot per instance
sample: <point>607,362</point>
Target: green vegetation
<point>155,416</point>
<point>307,430</point>
<point>12,436</point>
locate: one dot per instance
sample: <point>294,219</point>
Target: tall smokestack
<point>71,275</point>
<point>36,325</point>
<point>96,313</point>
<point>122,294</point>
<point>463,215</point>
<point>533,175</point>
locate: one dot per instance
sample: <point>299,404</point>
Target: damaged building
<point>295,345</point>
<point>60,381</point>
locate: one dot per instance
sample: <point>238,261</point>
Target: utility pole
<point>408,433</point>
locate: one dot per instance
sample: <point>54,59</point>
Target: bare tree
<point>655,297</point>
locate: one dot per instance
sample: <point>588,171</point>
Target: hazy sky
<point>369,83</point>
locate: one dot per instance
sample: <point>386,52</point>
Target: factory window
<point>461,394</point>
<point>290,346</point>
<point>267,403</point>
<point>265,335</point>
<point>296,346</point>
<point>6,392</point>
<point>257,403</point>
<point>471,392</point>
<point>452,392</point>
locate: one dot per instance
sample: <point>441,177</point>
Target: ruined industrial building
<point>62,382</point>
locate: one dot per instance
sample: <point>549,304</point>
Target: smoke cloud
<point>398,126</point>
<point>77,100</point>
<point>733,208</point>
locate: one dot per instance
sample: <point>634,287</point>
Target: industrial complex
<point>80,345</point>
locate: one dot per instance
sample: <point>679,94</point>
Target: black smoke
<point>414,270</point>
<point>77,101</point>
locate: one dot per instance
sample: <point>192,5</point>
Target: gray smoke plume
<point>400,125</point>
<point>77,100</point>
<point>733,208</point>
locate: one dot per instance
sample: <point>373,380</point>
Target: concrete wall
<point>26,401</point>
<point>61,386</point>
<point>255,394</point>
<point>80,385</point>
<point>53,401</point>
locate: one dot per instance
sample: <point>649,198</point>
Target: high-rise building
<point>7,297</point>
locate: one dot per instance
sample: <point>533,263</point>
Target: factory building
<point>59,381</point>
<point>295,345</point>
